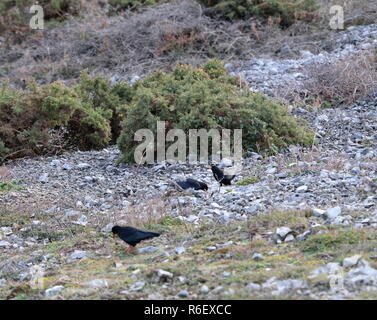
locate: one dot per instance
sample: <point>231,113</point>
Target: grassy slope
<point>197,265</point>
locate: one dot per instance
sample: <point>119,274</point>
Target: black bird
<point>193,184</point>
<point>220,177</point>
<point>132,236</point>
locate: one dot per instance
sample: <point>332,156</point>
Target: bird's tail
<point>154,234</point>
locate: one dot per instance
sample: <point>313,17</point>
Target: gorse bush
<point>119,5</point>
<point>208,98</point>
<point>95,112</point>
<point>99,93</point>
<point>14,14</point>
<point>286,11</point>
<point>27,118</point>
<point>53,9</point>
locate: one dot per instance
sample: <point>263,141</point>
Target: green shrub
<point>98,92</point>
<point>27,118</point>
<point>7,187</point>
<point>335,240</point>
<point>15,13</point>
<point>120,5</point>
<point>287,11</point>
<point>247,181</point>
<point>207,98</point>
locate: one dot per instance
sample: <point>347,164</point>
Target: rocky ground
<point>268,74</point>
<point>300,225</point>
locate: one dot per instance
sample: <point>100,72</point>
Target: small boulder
<point>53,291</point>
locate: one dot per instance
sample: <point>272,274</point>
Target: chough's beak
<point>113,235</point>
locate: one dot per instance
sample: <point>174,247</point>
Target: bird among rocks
<point>190,183</point>
<point>132,236</point>
<point>225,180</point>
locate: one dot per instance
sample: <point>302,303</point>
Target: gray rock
<point>125,292</point>
<point>7,231</point>
<point>43,178</point>
<point>204,289</point>
<point>179,250</point>
<point>97,283</point>
<point>304,235</point>
<point>223,245</point>
<point>89,179</point>
<point>271,170</point>
<point>164,275</point>
<point>77,255</point>
<point>302,189</point>
<point>282,232</point>
<point>351,261</point>
<point>331,267</point>
<point>218,289</point>
<point>285,286</point>
<point>4,244</point>
<point>332,213</point>
<point>108,227</point>
<point>289,238</point>
<point>66,166</point>
<point>55,163</point>
<point>253,286</point>
<point>82,220</point>
<point>149,249</point>
<point>183,294</point>
<point>252,209</point>
<point>71,213</point>
<point>319,213</point>
<point>133,79</point>
<point>226,162</point>
<point>83,166</point>
<point>192,218</point>
<point>53,291</point>
<point>137,286</point>
<point>257,257</point>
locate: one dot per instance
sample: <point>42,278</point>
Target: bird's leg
<point>129,249</point>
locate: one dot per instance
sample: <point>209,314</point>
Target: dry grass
<point>101,44</point>
<point>147,213</point>
<point>157,37</point>
<point>300,161</point>
<point>333,84</point>
<point>160,36</point>
<point>295,219</point>
<point>5,174</point>
<point>344,82</point>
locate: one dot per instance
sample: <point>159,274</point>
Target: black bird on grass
<point>132,236</point>
<point>193,184</point>
<point>220,177</point>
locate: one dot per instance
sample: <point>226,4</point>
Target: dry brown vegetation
<point>150,212</point>
<point>333,84</point>
<point>343,82</point>
<point>5,174</point>
<point>155,38</point>
<point>158,37</point>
